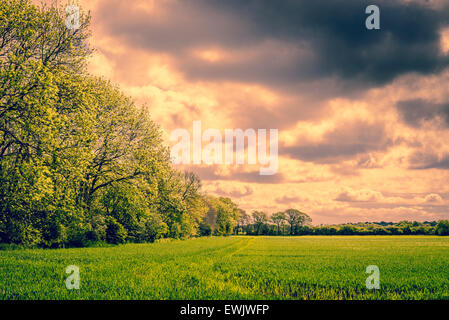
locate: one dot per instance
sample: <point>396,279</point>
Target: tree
<point>180,202</point>
<point>442,228</point>
<point>279,218</point>
<point>151,228</point>
<point>78,159</point>
<point>224,213</point>
<point>347,230</point>
<point>296,218</point>
<point>127,204</point>
<point>115,232</point>
<point>125,144</point>
<point>243,220</point>
<point>205,229</point>
<point>38,66</point>
<point>260,219</point>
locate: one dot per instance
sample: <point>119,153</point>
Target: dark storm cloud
<point>335,32</point>
<point>341,143</point>
<point>415,112</point>
<point>421,160</point>
<point>295,41</point>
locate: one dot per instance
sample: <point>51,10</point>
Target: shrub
<point>115,232</point>
<point>17,232</point>
<point>78,235</point>
<point>347,230</point>
<point>151,229</point>
<point>205,229</point>
<point>175,231</point>
<point>442,228</point>
<point>54,235</point>
<point>98,229</point>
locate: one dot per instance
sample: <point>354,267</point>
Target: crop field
<point>332,267</point>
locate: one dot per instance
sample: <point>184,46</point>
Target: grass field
<point>411,267</point>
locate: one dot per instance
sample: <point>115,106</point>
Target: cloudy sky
<point>363,115</point>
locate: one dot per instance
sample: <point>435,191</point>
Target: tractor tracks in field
<point>209,272</point>
<point>218,270</point>
<point>246,245</point>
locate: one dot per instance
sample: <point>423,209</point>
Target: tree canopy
<point>79,161</point>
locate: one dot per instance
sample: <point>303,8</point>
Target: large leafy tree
<point>78,159</point>
<point>279,219</point>
<point>224,212</point>
<point>39,67</point>
<point>260,220</point>
<point>296,218</point>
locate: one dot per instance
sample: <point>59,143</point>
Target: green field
<point>411,267</point>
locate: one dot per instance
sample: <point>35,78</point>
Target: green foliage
<point>259,218</point>
<point>347,230</point>
<point>442,228</point>
<point>299,224</point>
<point>98,228</point>
<point>225,214</point>
<point>115,232</point>
<point>74,150</point>
<point>80,234</point>
<point>152,228</point>
<point>205,229</point>
<point>180,203</point>
<point>127,204</point>
<point>54,234</point>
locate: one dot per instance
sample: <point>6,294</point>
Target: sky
<point>362,115</point>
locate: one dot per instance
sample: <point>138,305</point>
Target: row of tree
<point>290,222</point>
<point>295,222</point>
<point>79,161</point>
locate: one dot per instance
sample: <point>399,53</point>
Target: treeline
<point>79,161</point>
<point>295,222</point>
<point>288,222</point>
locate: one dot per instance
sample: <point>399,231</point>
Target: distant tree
<point>279,218</point>
<point>406,230</point>
<point>260,219</point>
<point>442,228</point>
<point>243,220</point>
<point>296,218</point>
<point>347,230</point>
